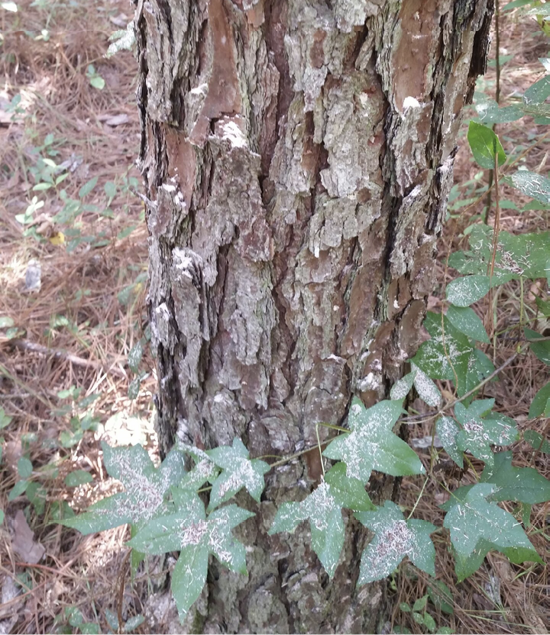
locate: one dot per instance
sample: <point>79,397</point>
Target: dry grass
<point>76,331</point>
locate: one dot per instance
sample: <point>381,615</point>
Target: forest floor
<point>73,271</point>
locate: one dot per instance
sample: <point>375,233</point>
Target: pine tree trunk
<point>297,156</point>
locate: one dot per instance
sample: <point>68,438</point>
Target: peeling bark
<point>297,156</point>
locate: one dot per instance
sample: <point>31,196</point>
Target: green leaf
<point>540,404</point>
<point>4,419</point>
<point>195,536</point>
<point>18,489</point>
<point>395,538</point>
<point>441,596</point>
<point>133,623</point>
<point>538,92</point>
<point>110,189</point>
<point>426,388</point>
<point>479,432</point>
<point>429,622</point>
<point>79,477</point>
<point>521,484</point>
<point>474,519</point>
<point>466,321</point>
<point>485,145</point>
<point>371,444</point>
<point>238,472</point>
<point>189,577</point>
<point>145,489</point>
<point>465,566</point>
<point>448,352</point>
<point>324,513</point>
<point>87,187</point>
<point>542,348</point>
<point>537,441</point>
<point>534,185</point>
<point>348,492</point>
<point>405,607</point>
<point>402,387</point>
<point>135,355</point>
<point>490,113</point>
<point>24,467</point>
<point>420,604</point>
<point>37,495</point>
<point>6,322</point>
<point>97,82</point>
<point>465,291</point>
<point>447,430</point>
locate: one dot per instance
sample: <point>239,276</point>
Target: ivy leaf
<point>479,432</point>
<point>485,145</point>
<point>473,519</point>
<point>195,536</point>
<point>542,348</point>
<point>348,492</point>
<point>541,403</point>
<point>466,321</point>
<point>371,444</point>
<point>447,430</point>
<point>537,441</point>
<point>394,539</point>
<point>522,484</point>
<point>324,513</point>
<point>532,184</point>
<point>238,472</point>
<point>465,291</point>
<point>145,489</point>
<point>465,566</point>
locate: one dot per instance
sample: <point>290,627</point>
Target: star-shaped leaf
<point>447,430</point>
<point>480,431</point>
<point>472,518</point>
<point>348,492</point>
<point>521,484</point>
<point>238,472</point>
<point>324,513</point>
<point>371,444</point>
<point>196,536</point>
<point>395,538</point>
<point>145,489</point>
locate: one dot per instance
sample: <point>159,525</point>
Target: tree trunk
<point>297,155</point>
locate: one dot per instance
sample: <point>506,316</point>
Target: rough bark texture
<point>297,155</point>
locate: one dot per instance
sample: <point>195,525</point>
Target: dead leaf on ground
<point>23,542</point>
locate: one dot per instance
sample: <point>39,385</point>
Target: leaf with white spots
<point>465,291</point>
<point>145,489</point>
<point>447,430</point>
<point>324,513</point>
<point>195,536</point>
<point>447,354</point>
<point>395,538</point>
<point>402,387</point>
<point>372,445</point>
<point>348,492</point>
<point>238,472</point>
<point>480,430</point>
<point>521,484</point>
<point>426,388</point>
<point>466,321</point>
<point>472,518</point>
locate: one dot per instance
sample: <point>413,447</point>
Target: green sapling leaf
<point>394,539</point>
<point>537,441</point>
<point>371,444</point>
<point>541,403</point>
<point>466,321</point>
<point>485,146</point>
<point>465,291</point>
<point>447,430</point>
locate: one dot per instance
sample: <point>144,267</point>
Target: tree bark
<point>297,156</point>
